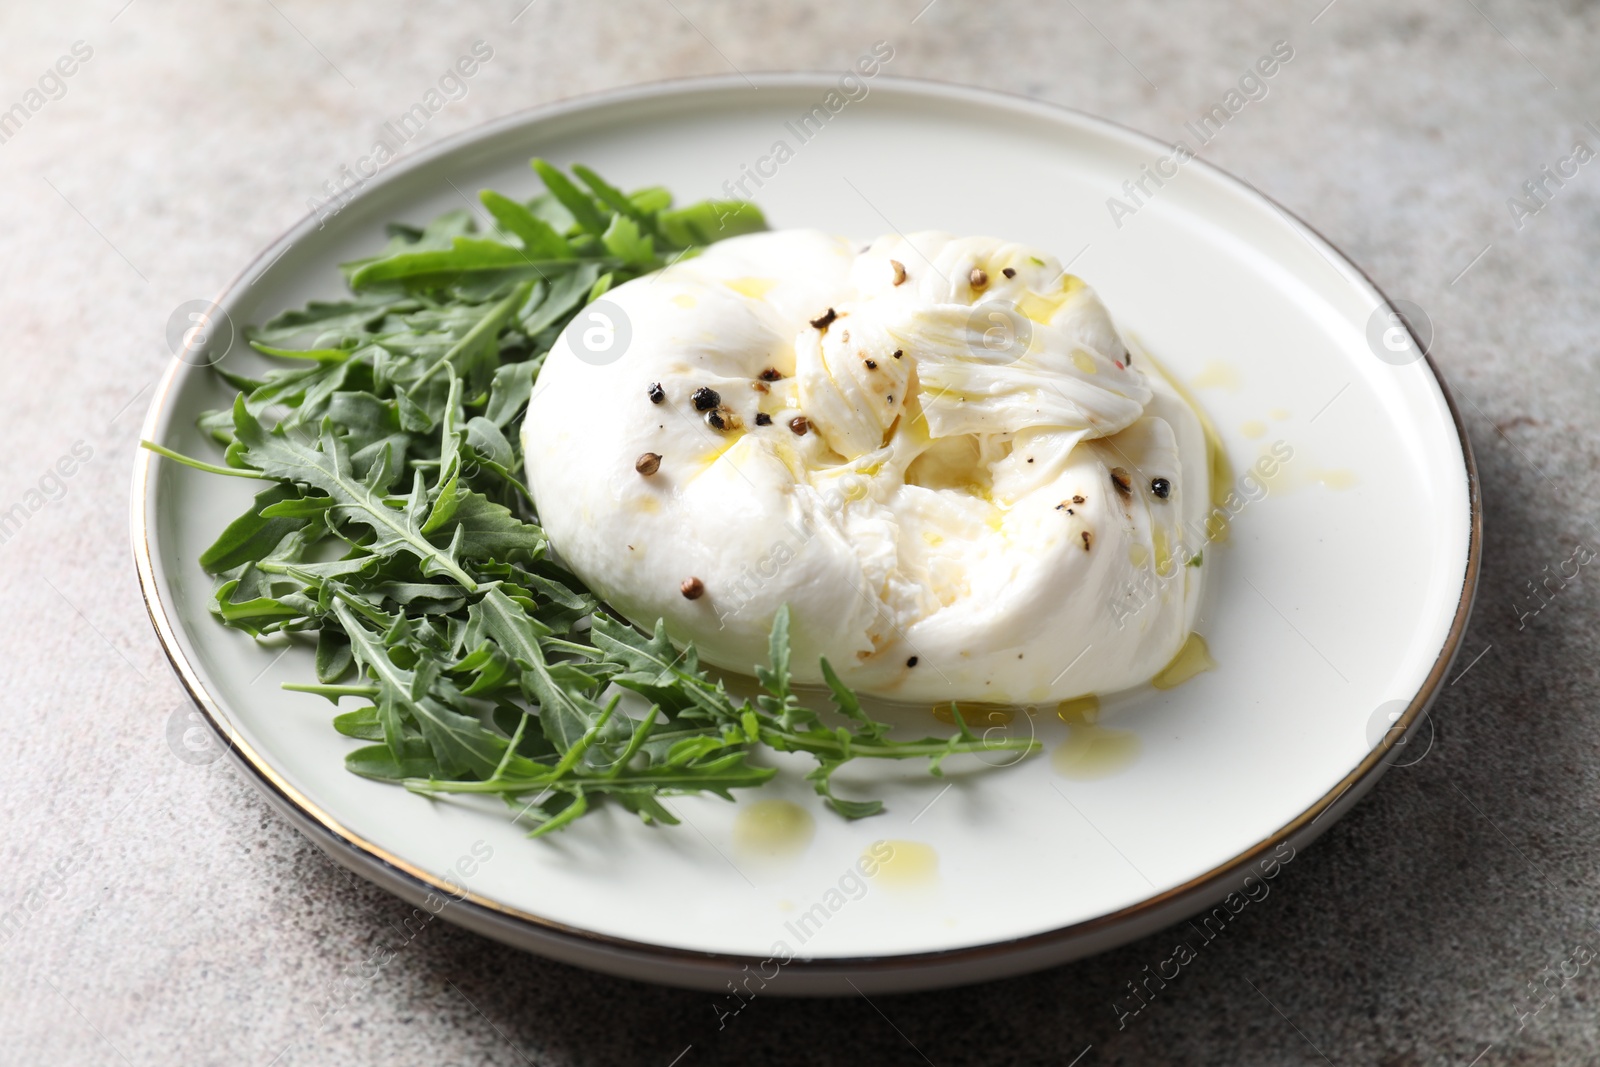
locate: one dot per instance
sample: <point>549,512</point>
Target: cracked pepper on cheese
<point>936,450</point>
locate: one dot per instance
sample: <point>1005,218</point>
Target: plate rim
<point>1055,945</point>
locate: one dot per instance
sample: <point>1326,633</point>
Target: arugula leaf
<point>623,240</point>
<point>651,663</point>
<point>567,294</point>
<point>275,454</point>
<point>508,396</point>
<point>466,255</point>
<point>458,741</point>
<point>318,355</point>
<point>609,195</point>
<point>334,660</point>
<point>821,780</point>
<point>850,707</point>
<point>539,239</point>
<point>332,320</point>
<point>478,528</point>
<point>482,335</point>
<point>650,201</point>
<point>497,618</point>
<point>378,761</point>
<point>779,699</point>
<point>587,216</point>
<point>254,534</point>
<point>710,221</point>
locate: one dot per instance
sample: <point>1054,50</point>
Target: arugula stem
<point>570,646</point>
<point>356,604</point>
<point>785,741</point>
<point>579,747</point>
<point>486,464</point>
<point>488,326</point>
<point>689,779</point>
<point>333,692</point>
<point>511,749</point>
<point>640,732</point>
<point>579,805</point>
<point>200,465</point>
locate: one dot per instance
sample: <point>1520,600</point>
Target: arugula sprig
<point>394,529</point>
<point>695,737</point>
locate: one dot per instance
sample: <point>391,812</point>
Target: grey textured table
<point>155,911</point>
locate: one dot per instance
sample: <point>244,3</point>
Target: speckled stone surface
<point>155,911</point>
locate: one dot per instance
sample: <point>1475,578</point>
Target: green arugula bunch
<point>395,532</point>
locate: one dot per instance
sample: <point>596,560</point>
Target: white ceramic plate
<point>1332,612</point>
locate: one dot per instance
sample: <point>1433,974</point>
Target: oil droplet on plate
<point>1192,659</point>
<point>975,715</point>
<point>1277,414</point>
<point>903,863</point>
<point>1091,751</point>
<point>1254,428</point>
<point>1334,478</point>
<point>684,300</point>
<point>1288,475</point>
<point>1217,375</point>
<point>773,829</point>
<point>1079,711</point>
